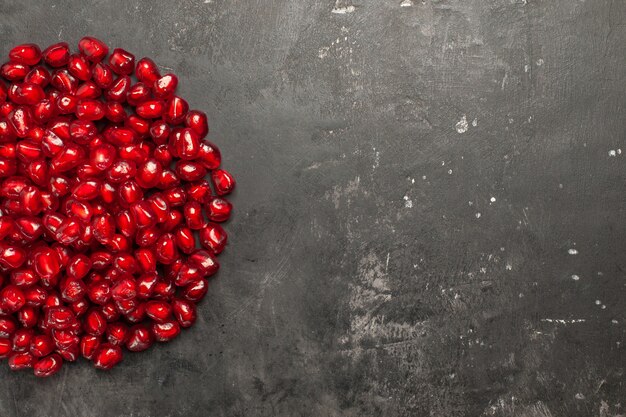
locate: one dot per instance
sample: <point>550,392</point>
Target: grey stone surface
<point>430,213</point>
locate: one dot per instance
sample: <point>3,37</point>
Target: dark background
<point>412,178</point>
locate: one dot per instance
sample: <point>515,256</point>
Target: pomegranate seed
<point>90,110</point>
<point>78,66</point>
<point>41,345</point>
<point>48,366</point>
<point>89,344</point>
<point>165,331</point>
<point>93,49</point>
<point>165,86</point>
<point>159,311</point>
<point>20,361</point>
<point>107,356</point>
<point>185,312</point>
<point>117,333</point>
<point>122,62</point>
<point>139,338</point>
<point>147,71</point>
<point>57,55</point>
<point>102,75</point>
<point>26,54</point>
<point>14,71</point>
<point>213,238</point>
<point>197,121</point>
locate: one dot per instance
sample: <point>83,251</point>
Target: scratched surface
<point>430,214</point>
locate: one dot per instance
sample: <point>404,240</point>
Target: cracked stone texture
<point>430,213</point>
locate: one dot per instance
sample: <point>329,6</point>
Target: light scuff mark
<point>462,125</point>
<point>343,10</point>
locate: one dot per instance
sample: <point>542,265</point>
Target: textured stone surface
<point>430,214</point>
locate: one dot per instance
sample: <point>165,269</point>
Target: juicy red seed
<point>57,55</point>
<point>197,121</point>
<point>14,71</point>
<point>165,331</point>
<point>27,54</point>
<point>105,199</point>
<point>147,71</point>
<point>139,338</point>
<point>48,366</point>
<point>78,66</point>
<point>122,62</point>
<point>93,49</point>
<point>90,110</point>
<point>214,238</point>
<point>165,86</point>
<point>107,356</point>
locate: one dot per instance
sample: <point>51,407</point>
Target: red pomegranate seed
<point>122,62</point>
<point>27,54</point>
<point>93,49</point>
<point>197,121</point>
<point>78,66</point>
<point>147,71</point>
<point>165,86</point>
<point>57,55</point>
<point>41,345</point>
<point>139,338</point>
<point>117,333</point>
<point>89,344</point>
<point>20,361</point>
<point>14,71</point>
<point>218,209</point>
<point>48,366</point>
<point>165,331</point>
<point>214,238</point>
<point>107,356</point>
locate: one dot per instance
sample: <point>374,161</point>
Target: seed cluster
<point>108,227</point>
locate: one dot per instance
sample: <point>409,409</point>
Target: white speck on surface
<point>540,62</point>
<point>408,203</point>
<point>478,215</point>
<point>598,302</point>
<point>614,321</point>
<point>509,267</point>
<point>323,52</point>
<point>376,158</point>
<point>579,396</point>
<point>343,10</point>
<point>449,172</point>
<point>561,186</point>
<point>462,125</point>
<point>526,68</point>
<point>474,123</point>
<point>564,321</point>
<point>424,177</point>
<point>412,180</point>
<point>406,3</point>
<point>572,251</point>
<point>575,277</point>
<point>492,199</point>
<point>612,152</point>
<point>470,203</point>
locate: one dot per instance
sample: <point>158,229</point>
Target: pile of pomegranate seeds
<point>103,199</point>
